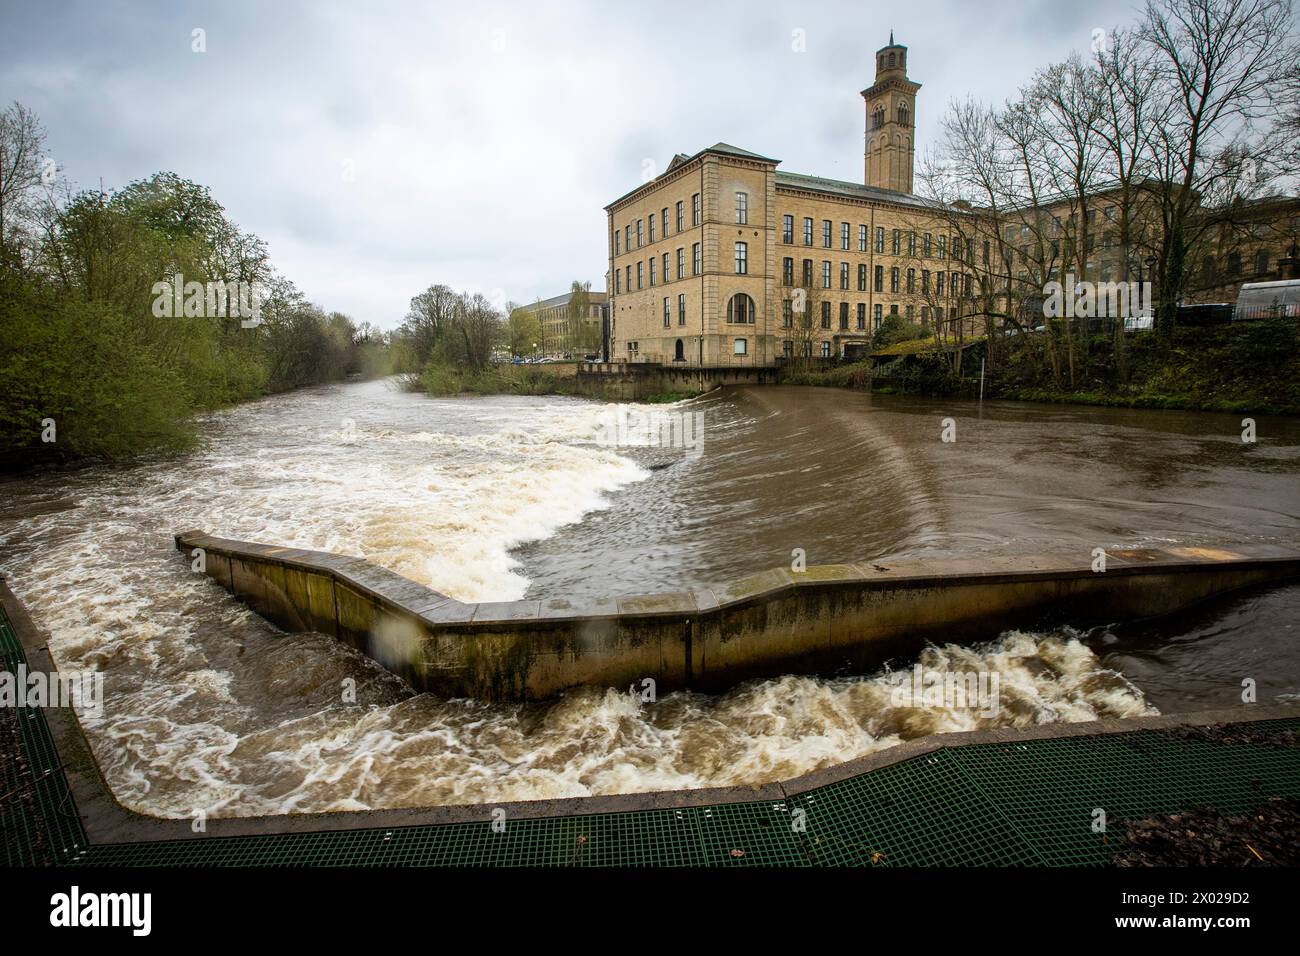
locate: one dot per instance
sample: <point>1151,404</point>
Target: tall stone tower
<point>891,119</point>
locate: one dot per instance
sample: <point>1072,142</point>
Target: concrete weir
<point>824,619</point>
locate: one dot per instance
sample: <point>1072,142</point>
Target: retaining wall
<point>822,620</point>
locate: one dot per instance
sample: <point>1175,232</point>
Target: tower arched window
<point>891,60</point>
<point>740,309</point>
<point>902,114</point>
<point>878,118</point>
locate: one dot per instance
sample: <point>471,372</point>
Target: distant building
<point>726,260</point>
<point>1259,241</point>
<point>570,327</point>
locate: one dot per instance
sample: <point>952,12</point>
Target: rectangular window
<point>668,315</point>
<point>681,309</point>
<point>895,239</point>
<point>742,258</point>
<point>862,277</point>
<point>787,314</point>
<point>862,316</point>
<point>943,247</point>
<point>826,350</point>
<point>826,315</point>
<point>618,281</point>
<point>880,238</point>
<point>844,236</point>
<point>844,316</point>
<point>629,278</point>
<point>640,274</point>
<point>787,229</point>
<point>665,267</point>
<point>911,281</point>
<point>880,279</point>
<point>876,316</point>
<point>664,218</point>
<point>652,227</point>
<point>925,281</point>
<point>826,233</point>
<point>925,245</point>
<point>911,243</point>
<point>807,273</point>
<point>681,263</point>
<point>741,347</point>
<point>938,283</point>
<point>787,271</point>
<point>844,275</point>
<point>807,231</point>
<point>826,275</point>
<point>680,205</point>
<point>695,210</point>
<point>652,268</point>
<point>627,237</point>
<point>695,259</point>
<point>742,208</point>
<point>616,242</point>
<point>862,238</point>
<point>893,280</point>
<point>639,234</point>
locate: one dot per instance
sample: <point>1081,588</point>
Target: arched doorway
<point>680,355</point>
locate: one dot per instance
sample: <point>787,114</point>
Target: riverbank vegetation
<point>124,313</point>
<point>453,343</point>
<point>443,378</point>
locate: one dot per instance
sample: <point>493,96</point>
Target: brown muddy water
<point>210,708</point>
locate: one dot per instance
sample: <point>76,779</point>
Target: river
<point>209,708</point>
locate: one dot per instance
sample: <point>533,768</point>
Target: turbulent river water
<point>210,708</point>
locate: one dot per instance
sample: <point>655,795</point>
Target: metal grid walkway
<point>1029,803</point>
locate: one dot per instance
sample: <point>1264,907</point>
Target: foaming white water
<point>425,751</point>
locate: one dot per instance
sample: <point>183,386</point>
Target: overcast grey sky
<point>380,147</point>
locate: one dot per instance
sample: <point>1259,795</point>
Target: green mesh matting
<point>38,820</point>
<point>1029,803</point>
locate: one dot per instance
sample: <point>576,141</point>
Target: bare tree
<point>1221,66</point>
<point>22,144</point>
<point>1126,121</point>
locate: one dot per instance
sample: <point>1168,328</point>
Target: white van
<point>1268,300</point>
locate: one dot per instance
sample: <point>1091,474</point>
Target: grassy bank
<point>1251,367</point>
<point>445,379</point>
<point>441,378</point>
